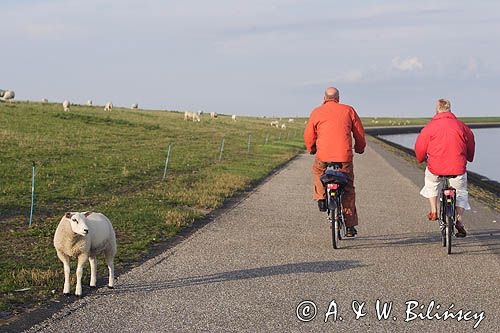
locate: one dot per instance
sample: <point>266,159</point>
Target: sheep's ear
<point>68,215</point>
<point>87,214</point>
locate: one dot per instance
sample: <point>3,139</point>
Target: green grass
<point>112,162</point>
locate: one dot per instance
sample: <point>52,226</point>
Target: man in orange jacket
<point>328,135</point>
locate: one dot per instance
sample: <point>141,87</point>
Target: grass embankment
<point>113,162</point>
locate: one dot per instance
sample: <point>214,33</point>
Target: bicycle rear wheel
<point>334,228</point>
<point>449,232</point>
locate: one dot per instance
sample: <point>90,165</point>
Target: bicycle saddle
<point>335,165</point>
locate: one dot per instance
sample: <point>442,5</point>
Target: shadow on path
<point>484,241</point>
<point>243,274</point>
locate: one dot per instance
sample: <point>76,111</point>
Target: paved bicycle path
<point>250,268</point>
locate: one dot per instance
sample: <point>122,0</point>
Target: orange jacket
<point>329,129</point>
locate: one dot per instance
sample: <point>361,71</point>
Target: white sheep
<point>7,95</point>
<point>89,102</point>
<point>85,235</point>
<point>291,120</point>
<point>44,100</point>
<point>134,106</point>
<point>275,123</point>
<point>66,104</point>
<point>108,106</point>
<point>213,115</point>
<point>191,115</point>
<point>283,126</point>
<point>233,117</point>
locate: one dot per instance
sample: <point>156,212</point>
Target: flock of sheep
<point>107,107</point>
<point>8,95</point>
<point>196,116</point>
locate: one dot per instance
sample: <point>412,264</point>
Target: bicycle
<point>447,211</point>
<point>334,182</point>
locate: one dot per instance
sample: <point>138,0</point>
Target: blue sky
<point>260,57</point>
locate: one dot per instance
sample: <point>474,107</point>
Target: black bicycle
<point>447,211</point>
<point>334,182</point>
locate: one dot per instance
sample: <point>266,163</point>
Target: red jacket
<point>447,143</point>
<point>329,129</point>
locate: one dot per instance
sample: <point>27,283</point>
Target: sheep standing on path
<point>108,106</point>
<point>66,105</point>
<point>85,235</point>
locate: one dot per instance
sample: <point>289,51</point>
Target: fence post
<point>32,193</point>
<point>166,162</point>
<point>221,149</point>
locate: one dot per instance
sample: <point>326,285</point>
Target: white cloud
<point>408,64</point>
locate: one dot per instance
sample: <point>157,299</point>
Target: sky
<point>269,58</point>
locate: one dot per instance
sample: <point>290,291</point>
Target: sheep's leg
<point>65,260</point>
<point>93,271</point>
<point>82,258</point>
<point>111,267</point>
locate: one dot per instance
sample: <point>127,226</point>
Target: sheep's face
<point>78,222</point>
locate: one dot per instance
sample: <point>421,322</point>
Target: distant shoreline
<point>388,130</point>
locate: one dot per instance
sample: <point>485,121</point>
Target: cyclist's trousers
<point>349,196</point>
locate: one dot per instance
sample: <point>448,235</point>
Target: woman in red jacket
<point>447,144</point>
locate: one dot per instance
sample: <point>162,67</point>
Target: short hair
<point>443,105</point>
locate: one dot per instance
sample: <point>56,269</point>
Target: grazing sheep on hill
<point>213,115</point>
<point>291,120</point>
<point>283,126</point>
<point>7,95</point>
<point>85,235</point>
<point>89,102</point>
<point>191,115</point>
<point>233,117</point>
<point>66,104</point>
<point>108,106</point>
<point>44,100</point>
<point>275,124</point>
<point>134,106</point>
